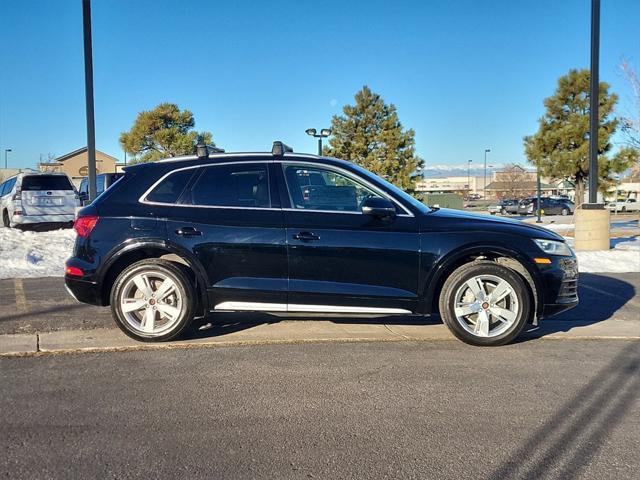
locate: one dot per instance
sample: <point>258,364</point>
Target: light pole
<point>88,91</point>
<point>469,162</point>
<point>5,157</point>
<point>484,185</point>
<point>324,133</point>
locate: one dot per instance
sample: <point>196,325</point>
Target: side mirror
<point>378,207</point>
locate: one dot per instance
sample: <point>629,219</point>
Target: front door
<point>338,256</point>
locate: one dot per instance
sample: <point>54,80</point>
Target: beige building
<point>75,164</point>
<point>460,184</point>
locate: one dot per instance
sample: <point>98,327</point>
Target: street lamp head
<point>8,150</point>
<point>310,131</point>
<point>469,161</point>
<point>487,150</point>
<point>325,132</point>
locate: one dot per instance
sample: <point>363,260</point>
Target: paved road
<point>42,305</point>
<point>562,409</point>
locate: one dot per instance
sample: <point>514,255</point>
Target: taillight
<point>73,271</point>
<point>84,225</point>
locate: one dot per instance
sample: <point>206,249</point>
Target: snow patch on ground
<point>34,254</point>
<point>611,261</point>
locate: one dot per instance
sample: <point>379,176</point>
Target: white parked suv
<point>36,198</point>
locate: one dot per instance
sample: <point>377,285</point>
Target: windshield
<point>395,190</point>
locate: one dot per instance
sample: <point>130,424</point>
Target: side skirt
<point>283,307</point>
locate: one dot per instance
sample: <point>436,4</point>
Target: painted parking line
<point>21,299</point>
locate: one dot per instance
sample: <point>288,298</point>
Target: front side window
<point>236,185</point>
<point>317,188</point>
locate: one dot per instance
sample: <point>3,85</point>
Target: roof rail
<point>203,151</point>
<point>279,149</point>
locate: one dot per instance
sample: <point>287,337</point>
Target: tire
<point>564,212</point>
<point>158,318</point>
<point>6,223</point>
<point>516,306</point>
<point>624,209</point>
<point>503,212</point>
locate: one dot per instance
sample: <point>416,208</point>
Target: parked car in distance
<point>33,198</point>
<point>504,207</point>
<point>284,232</point>
<point>549,206</point>
<point>627,205</point>
<point>103,181</point>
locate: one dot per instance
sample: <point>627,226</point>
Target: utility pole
<point>469,177</point>
<point>88,88</point>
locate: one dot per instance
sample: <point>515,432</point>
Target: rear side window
<point>169,189</point>
<point>45,182</point>
<point>237,185</point>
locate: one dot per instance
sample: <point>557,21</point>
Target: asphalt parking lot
<point>540,409</point>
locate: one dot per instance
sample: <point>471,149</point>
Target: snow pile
<point>618,260</point>
<point>34,254</point>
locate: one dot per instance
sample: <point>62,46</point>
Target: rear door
<point>230,220</point>
<point>47,195</point>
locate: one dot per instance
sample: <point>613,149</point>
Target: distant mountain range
<point>477,170</point>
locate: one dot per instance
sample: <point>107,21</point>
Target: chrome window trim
<point>347,173</point>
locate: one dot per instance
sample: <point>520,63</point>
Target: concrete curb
<point>289,332</point>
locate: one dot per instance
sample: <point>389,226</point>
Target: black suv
<point>284,232</point>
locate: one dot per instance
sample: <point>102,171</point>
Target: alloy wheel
<point>151,302</point>
<point>486,305</point>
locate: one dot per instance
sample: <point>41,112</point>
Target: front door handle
<point>306,236</point>
<point>188,232</point>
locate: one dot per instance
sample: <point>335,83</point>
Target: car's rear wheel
<point>153,300</point>
<point>565,212</point>
<point>503,212</point>
<point>486,304</point>
<point>624,209</point>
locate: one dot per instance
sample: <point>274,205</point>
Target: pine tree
<point>370,135</point>
<point>166,131</point>
<point>560,147</point>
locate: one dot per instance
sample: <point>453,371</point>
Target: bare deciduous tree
<point>516,181</point>
<point>630,124</point>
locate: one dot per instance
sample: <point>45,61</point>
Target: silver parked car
<point>32,198</point>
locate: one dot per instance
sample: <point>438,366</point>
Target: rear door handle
<point>188,232</point>
<point>306,236</point>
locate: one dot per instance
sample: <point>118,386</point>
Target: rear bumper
<point>83,291</point>
<point>32,219</point>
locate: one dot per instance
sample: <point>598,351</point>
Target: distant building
<point>10,172</point>
<point>75,164</point>
<point>461,184</point>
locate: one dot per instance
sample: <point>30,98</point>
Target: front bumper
<point>560,286</point>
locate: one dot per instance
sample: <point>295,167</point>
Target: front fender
<point>444,265</point>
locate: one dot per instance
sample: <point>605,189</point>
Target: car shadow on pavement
<point>568,441</point>
<point>223,323</point>
<point>601,297</point>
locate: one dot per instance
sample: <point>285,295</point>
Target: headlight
<point>554,247</point>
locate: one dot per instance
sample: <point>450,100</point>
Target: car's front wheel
<point>153,300</point>
<point>486,304</point>
<point>565,212</point>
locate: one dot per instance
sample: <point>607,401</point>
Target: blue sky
<point>463,74</point>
